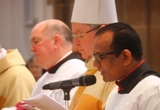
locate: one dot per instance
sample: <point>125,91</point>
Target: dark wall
<point>62,9</point>
<point>144,16</point>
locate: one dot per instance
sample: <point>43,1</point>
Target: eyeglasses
<point>99,57</point>
<point>79,36</point>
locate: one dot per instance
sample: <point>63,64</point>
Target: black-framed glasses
<point>99,57</point>
<point>79,36</point>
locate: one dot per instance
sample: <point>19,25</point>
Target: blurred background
<point>18,17</point>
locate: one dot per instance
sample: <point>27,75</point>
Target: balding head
<point>51,39</point>
<point>51,27</point>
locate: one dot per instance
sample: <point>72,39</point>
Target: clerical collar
<point>55,67</point>
<point>134,77</point>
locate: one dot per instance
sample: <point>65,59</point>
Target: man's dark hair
<point>124,37</point>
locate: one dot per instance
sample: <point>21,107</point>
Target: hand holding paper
<point>44,102</point>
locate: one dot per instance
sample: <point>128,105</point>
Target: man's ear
<point>127,57</point>
<point>57,40</point>
<point>102,26</point>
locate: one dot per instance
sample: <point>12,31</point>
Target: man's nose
<point>75,41</point>
<point>32,48</point>
<point>96,63</point>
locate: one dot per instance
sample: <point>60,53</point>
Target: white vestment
<point>70,69</point>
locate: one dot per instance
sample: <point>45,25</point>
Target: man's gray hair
<point>93,25</point>
<point>58,28</point>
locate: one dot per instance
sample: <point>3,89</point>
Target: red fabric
<point>132,70</point>
<point>19,106</point>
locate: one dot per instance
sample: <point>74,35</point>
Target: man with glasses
<point>86,20</point>
<point>118,55</point>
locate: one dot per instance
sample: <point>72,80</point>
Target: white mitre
<point>94,12</point>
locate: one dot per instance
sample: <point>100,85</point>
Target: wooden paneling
<point>144,17</point>
<point>62,10</point>
<point>154,34</point>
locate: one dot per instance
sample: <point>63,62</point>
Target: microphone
<point>68,84</point>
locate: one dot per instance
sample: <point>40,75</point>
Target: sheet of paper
<point>29,107</point>
<point>44,102</point>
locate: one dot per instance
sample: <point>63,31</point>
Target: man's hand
<point>19,106</point>
<point>24,106</point>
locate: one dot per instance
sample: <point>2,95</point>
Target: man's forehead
<point>37,30</point>
<point>80,27</point>
<point>107,35</point>
<point>35,35</point>
<point>104,39</point>
<point>38,27</point>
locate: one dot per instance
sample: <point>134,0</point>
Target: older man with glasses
<point>86,21</point>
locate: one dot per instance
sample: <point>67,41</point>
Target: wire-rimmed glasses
<point>98,57</point>
<point>79,36</point>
